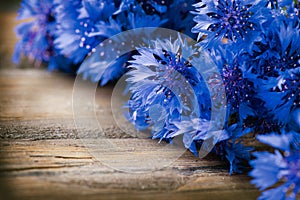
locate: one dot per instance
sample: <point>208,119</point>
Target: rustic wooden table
<point>42,157</point>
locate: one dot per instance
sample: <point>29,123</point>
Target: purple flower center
<point>232,19</point>
<point>237,88</point>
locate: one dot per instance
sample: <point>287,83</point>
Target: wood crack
<point>74,157</point>
<point>40,167</point>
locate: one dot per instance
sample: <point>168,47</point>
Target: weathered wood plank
<point>65,164</point>
<point>42,156</point>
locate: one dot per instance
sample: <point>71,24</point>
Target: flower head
<point>269,168</point>
<point>278,49</point>
<point>230,19</point>
<point>37,35</point>
<point>162,100</point>
<point>91,23</point>
<point>275,64</point>
<point>77,25</point>
<point>163,77</point>
<point>238,87</point>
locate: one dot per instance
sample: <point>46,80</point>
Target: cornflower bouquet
<point>255,46</point>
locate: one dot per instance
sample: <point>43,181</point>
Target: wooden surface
<point>43,157</point>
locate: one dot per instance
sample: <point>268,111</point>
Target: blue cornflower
<point>87,25</point>
<point>278,49</point>
<point>272,168</point>
<point>128,17</point>
<point>82,26</point>
<point>37,35</point>
<point>77,25</point>
<point>275,62</point>
<point>153,103</point>
<point>239,89</point>
<point>235,20</point>
<point>162,81</point>
<point>90,23</point>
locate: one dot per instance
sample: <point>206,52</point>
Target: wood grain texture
<point>43,157</point>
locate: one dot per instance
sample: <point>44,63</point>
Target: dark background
<point>8,39</point>
<point>9,5</point>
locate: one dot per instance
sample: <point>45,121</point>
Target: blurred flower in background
<point>62,33</point>
<point>282,167</point>
<point>37,35</point>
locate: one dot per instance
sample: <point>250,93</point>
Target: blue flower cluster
<point>63,33</point>
<point>255,46</point>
